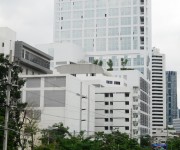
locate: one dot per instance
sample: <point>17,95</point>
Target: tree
<point>110,64</point>
<point>124,62</point>
<point>16,107</point>
<point>98,62</point>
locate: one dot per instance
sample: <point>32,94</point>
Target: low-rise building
<point>61,98</point>
<point>176,125</point>
<point>32,60</point>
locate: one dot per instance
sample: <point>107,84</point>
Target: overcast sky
<point>33,22</point>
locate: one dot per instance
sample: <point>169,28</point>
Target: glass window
<point>101,32</point>
<point>89,14</point>
<point>126,43</point>
<point>113,3</point>
<point>135,20</point>
<point>125,30</point>
<point>77,24</point>
<point>113,44</point>
<point>65,34</point>
<point>135,10</point>
<point>135,43</point>
<point>66,6</point>
<point>115,62</point>
<point>125,11</point>
<point>101,22</point>
<point>77,14</point>
<point>89,4</point>
<point>89,23</point>
<point>100,3</point>
<point>113,12</point>
<point>100,13</point>
<point>113,31</point>
<point>134,2</point>
<point>125,2</point>
<point>113,21</point>
<point>89,44</point>
<point>65,15</point>
<point>77,5</point>
<point>126,21</point>
<point>135,30</point>
<point>101,44</point>
<point>65,25</point>
<point>89,33</point>
<point>77,34</point>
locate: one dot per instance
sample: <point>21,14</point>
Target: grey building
<point>32,60</point>
<point>171,96</point>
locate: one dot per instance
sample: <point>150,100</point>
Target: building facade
<point>60,98</point>
<point>107,29</point>
<point>158,91</point>
<point>171,96</point>
<point>7,40</point>
<point>176,125</point>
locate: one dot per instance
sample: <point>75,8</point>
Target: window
<point>2,44</point>
<point>125,11</point>
<point>126,21</point>
<point>111,128</point>
<point>89,14</point>
<point>89,44</point>
<point>126,103</point>
<point>77,24</point>
<point>113,44</point>
<point>89,4</point>
<point>101,32</point>
<point>126,94</point>
<point>77,5</point>
<point>77,34</point>
<point>125,30</point>
<point>106,111</point>
<point>111,94</point>
<point>106,103</point>
<point>111,103</point>
<point>125,43</point>
<point>77,14</point>
<point>89,23</point>
<point>117,82</point>
<point>106,127</point>
<point>106,94</point>
<point>89,33</point>
<point>126,128</point>
<point>113,22</point>
<point>101,13</point>
<point>106,119</point>
<point>101,44</point>
<point>113,31</point>
<point>111,119</point>
<point>101,22</point>
<point>126,111</point>
<point>126,119</point>
<point>113,12</point>
<point>111,111</point>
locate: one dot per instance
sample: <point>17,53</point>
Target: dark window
<point>127,119</point>
<point>106,103</point>
<point>111,103</point>
<point>111,94</point>
<point>106,127</point>
<point>126,128</point>
<point>106,94</point>
<point>111,119</point>
<point>117,82</point>
<point>61,18</point>
<point>126,111</point>
<point>106,119</point>
<point>3,44</point>
<point>111,111</point>
<point>111,128</point>
<point>127,103</point>
<point>126,94</point>
<point>106,111</point>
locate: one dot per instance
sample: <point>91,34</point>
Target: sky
<point>33,22</point>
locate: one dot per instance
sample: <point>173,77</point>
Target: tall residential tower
<point>158,91</point>
<point>107,29</point>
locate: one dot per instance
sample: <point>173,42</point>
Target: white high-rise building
<point>107,29</point>
<point>158,91</point>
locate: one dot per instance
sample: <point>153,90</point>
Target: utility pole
<point>7,104</point>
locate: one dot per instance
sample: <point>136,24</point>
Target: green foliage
<point>110,64</point>
<point>15,122</point>
<point>174,143</point>
<point>61,139</point>
<point>98,62</point>
<point>124,62</point>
